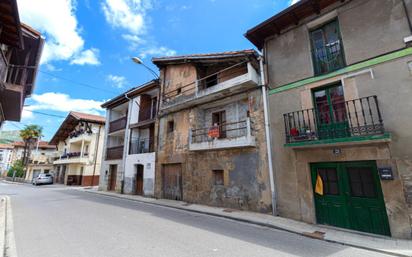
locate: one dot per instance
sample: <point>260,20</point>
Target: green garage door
<point>352,196</point>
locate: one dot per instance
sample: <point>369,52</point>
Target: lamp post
<point>137,60</point>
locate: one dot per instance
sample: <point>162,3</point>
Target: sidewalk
<point>351,238</point>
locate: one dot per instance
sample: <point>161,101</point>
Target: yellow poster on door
<point>319,185</point>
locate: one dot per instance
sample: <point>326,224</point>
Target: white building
<point>129,155</point>
<point>6,158</point>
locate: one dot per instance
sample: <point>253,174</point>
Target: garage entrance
<point>349,195</point>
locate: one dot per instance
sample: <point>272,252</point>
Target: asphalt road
<point>56,221</point>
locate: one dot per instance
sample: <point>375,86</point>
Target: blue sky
<point>90,42</point>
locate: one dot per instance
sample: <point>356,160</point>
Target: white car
<point>42,179</point>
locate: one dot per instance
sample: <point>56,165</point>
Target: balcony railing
<point>118,124</point>
<point>328,58</point>
<point>226,135</point>
<point>114,153</point>
<point>147,114</point>
<point>142,145</point>
<point>358,117</point>
<point>204,89</point>
<point>17,74</point>
<point>70,155</point>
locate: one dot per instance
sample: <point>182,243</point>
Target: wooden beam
<point>316,6</point>
<point>294,17</point>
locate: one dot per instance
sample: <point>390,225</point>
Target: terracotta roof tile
<point>88,117</point>
<point>6,146</point>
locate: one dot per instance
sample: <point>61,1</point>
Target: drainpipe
<point>267,132</point>
<point>96,148</point>
<point>126,139</point>
<point>407,15</point>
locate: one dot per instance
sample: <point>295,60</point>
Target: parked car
<point>42,179</point>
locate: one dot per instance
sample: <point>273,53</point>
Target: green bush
<point>17,167</point>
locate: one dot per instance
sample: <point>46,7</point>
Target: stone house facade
<point>340,76</point>
<point>129,149</point>
<point>211,146</point>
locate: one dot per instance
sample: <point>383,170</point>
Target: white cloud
<point>118,81</point>
<point>89,56</point>
<point>127,14</point>
<point>131,17</point>
<point>157,51</point>
<point>62,103</point>
<point>292,2</point>
<point>57,21</point>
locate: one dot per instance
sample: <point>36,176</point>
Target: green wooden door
<point>353,200</point>
<point>332,121</point>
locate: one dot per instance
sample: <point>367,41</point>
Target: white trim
<point>322,20</point>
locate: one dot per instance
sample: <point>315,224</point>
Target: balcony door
<point>332,121</point>
<point>219,119</point>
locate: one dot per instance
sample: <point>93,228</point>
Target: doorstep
<point>376,243</point>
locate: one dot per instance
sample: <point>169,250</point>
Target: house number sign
<point>385,173</point>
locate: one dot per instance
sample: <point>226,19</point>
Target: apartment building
<point>211,146</point>
<point>41,158</point>
<point>340,76</point>
<point>79,142</point>
<point>20,51</point>
<point>129,150</point>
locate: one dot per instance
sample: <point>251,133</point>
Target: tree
<point>16,169</point>
<point>30,134</point>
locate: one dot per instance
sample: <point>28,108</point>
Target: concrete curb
<point>3,212</point>
<point>250,221</point>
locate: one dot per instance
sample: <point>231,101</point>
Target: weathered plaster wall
<point>368,29</point>
<point>245,169</point>
<point>392,84</point>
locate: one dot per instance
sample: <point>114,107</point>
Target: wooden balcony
<point>231,80</point>
<point>114,153</point>
<point>118,124</point>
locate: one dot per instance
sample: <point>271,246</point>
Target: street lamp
<point>137,60</point>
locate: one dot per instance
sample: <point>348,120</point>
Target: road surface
<point>58,221</point>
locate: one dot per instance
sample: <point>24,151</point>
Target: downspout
<point>96,150</point>
<point>126,139</point>
<point>407,15</point>
<point>267,132</point>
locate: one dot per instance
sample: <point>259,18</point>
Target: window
<point>361,182</point>
<point>46,171</point>
<point>327,48</point>
<point>218,177</point>
<point>170,126</point>
<point>330,181</point>
<point>219,119</point>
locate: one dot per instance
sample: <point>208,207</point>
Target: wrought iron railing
<point>117,124</point>
<point>114,153</point>
<point>141,145</point>
<point>227,130</point>
<point>358,117</point>
<point>189,90</point>
<point>328,58</point>
<point>70,155</point>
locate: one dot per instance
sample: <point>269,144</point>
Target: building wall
<point>91,163</point>
<point>148,160</point>
<point>368,29</point>
<point>391,83</point>
<point>246,179</point>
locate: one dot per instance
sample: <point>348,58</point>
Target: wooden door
<point>139,179</point>
<point>112,178</point>
<point>352,196</point>
<point>172,181</point>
